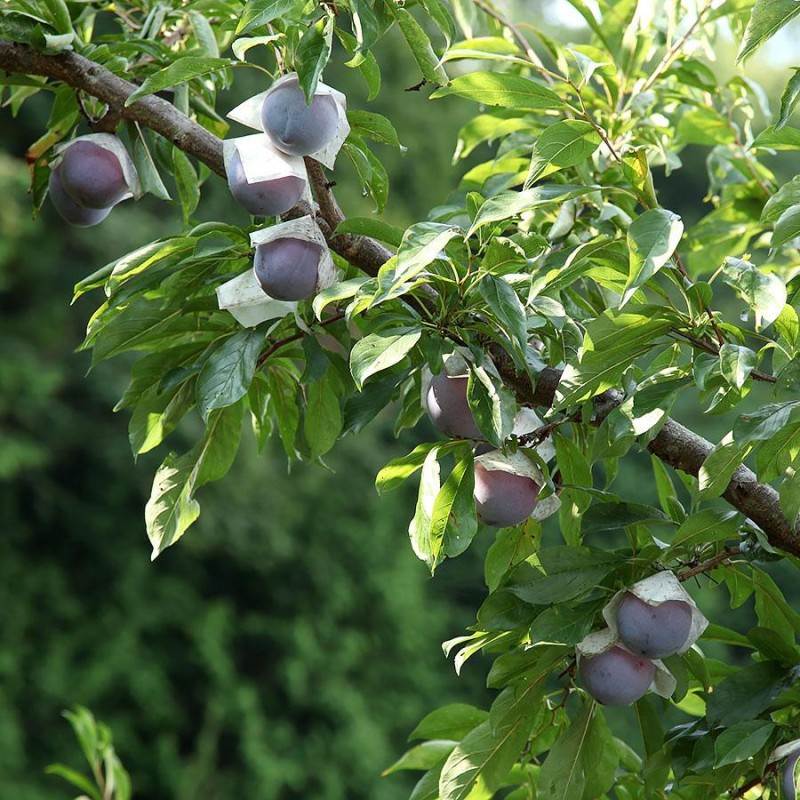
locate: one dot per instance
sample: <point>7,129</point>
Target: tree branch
<point>675,445</point>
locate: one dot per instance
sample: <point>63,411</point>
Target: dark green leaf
<point>766,19</point>
<point>502,89</point>
<point>451,722</point>
<point>180,71</point>
<point>380,351</point>
<point>746,693</point>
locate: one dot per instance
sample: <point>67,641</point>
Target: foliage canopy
<point>553,278</point>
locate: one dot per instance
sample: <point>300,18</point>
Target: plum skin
<point>787,776</point>
<point>653,631</point>
<point>294,126</point>
<point>68,209</point>
<point>447,406</point>
<point>503,499</point>
<point>263,198</point>
<point>92,175</point>
<point>616,677</point>
<point>288,268</point>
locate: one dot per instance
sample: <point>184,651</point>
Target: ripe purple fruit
<point>653,631</point>
<point>294,126</point>
<point>787,776</point>
<point>92,175</point>
<point>68,209</point>
<point>502,498</point>
<point>263,198</point>
<point>448,407</point>
<point>616,677</point>
<point>287,268</point>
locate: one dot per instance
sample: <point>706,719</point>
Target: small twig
<point>683,271</point>
<point>711,563</point>
<point>771,769</point>
<point>275,346</point>
<point>417,86</point>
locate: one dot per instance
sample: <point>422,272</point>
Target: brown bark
<point>675,444</point>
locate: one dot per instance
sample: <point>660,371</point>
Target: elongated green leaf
<point>323,418</point>
<point>450,722</point>
<point>741,741</point>
<point>611,343</point>
<point>172,507</point>
<point>789,98</point>
<point>764,292</point>
<point>509,204</point>
<point>563,144</point>
<point>420,528</point>
<point>766,19</point>
<point>453,518</point>
<point>380,351</point>
<point>226,375</point>
<point>563,772</point>
<point>507,308</point>
<point>746,693</point>
<point>180,71</point>
<point>717,470</point>
<point>420,46</point>
<point>260,12</point>
<point>312,55</point>
<point>652,240</point>
<point>736,363</point>
<point>399,470</point>
<point>502,89</point>
<point>787,227</point>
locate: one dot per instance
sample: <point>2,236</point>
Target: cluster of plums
<point>87,183</point>
<point>622,674</point>
<point>295,128</point>
<point>502,498</point>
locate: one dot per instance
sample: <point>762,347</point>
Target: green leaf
<point>156,415</point>
<point>510,547</point>
<point>374,228</point>
<point>420,46</point>
<point>507,308</point>
<point>705,527</point>
<point>312,55</point>
<point>187,183</point>
<point>148,174</point>
<point>764,292</point>
<point>746,693</point>
<point>228,372</point>
<point>791,94</point>
<point>453,519</point>
<point>450,722</point>
<point>718,468</point>
<point>561,145</point>
<point>419,529</point>
<point>787,227</point>
<point>741,741</point>
<point>77,779</point>
<point>652,240</point>
<point>611,344</point>
<point>563,573</point>
<point>784,139</point>
<point>424,756</point>
<point>510,204</point>
<point>373,126</point>
<point>399,470</point>
<point>172,508</point>
<point>180,71</point>
<point>323,418</point>
<point>563,772</point>
<point>502,89</point>
<point>736,363</point>
<point>380,351</point>
<point>766,19</point>
<point>492,404</point>
<point>260,12</point>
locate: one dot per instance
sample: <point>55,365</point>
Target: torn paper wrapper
<point>249,113</point>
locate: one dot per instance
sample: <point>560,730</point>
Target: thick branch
<point>96,80</point>
<point>675,445</point>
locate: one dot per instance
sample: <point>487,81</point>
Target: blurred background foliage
<point>289,644</point>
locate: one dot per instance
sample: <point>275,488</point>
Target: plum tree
<point>787,776</point>
<point>68,209</point>
<point>287,268</point>
<point>447,406</point>
<point>616,677</point>
<point>297,127</point>
<point>502,498</point>
<point>92,175</point>
<point>263,198</point>
<point>653,631</point>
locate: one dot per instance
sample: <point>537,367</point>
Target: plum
<point>92,175</point>
<point>263,198</point>
<point>295,126</point>
<point>68,209</point>
<point>616,677</point>
<point>287,268</point>
<point>502,498</point>
<point>787,776</point>
<point>653,631</point>
<point>448,407</point>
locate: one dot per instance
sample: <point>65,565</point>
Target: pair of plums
<point>294,127</point>
<point>502,499</point>
<point>87,183</point>
<point>621,675</point>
